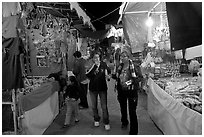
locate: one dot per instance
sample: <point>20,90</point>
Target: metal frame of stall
<point>14,109</point>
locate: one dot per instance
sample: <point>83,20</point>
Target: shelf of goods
<point>39,105</point>
<point>175,105</point>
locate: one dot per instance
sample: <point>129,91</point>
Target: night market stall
<point>38,39</point>
<point>172,33</point>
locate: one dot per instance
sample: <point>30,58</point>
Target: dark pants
<point>83,95</point>
<point>103,101</point>
<point>123,97</point>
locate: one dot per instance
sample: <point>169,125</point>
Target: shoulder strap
<point>132,69</point>
<point>119,71</point>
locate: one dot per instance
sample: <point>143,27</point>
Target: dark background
<point>96,10</point>
<point>184,18</point>
<point>185,24</point>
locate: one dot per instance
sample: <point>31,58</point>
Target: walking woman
<point>98,87</point>
<point>128,77</point>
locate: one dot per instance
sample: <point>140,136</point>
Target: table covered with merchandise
<point>39,106</point>
<point>175,105</point>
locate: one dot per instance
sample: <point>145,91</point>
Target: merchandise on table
<point>34,82</point>
<point>184,90</point>
<point>168,70</point>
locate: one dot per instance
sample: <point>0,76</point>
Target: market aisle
<point>85,125</point>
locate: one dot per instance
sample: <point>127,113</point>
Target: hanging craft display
<point>49,35</point>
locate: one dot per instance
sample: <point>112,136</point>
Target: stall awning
<point>184,20</point>
<point>100,34</point>
<point>134,16</point>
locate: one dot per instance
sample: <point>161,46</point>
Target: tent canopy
<point>140,7</point>
<point>134,16</point>
<point>184,20</point>
<point>86,32</point>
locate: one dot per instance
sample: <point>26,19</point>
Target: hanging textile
<point>10,8</point>
<point>71,49</point>
<point>10,25</point>
<point>11,66</point>
<point>84,46</point>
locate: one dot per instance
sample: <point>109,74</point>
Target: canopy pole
<point>123,11</point>
<point>155,6</point>
<point>132,12</point>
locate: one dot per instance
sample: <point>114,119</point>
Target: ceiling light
<point>149,22</point>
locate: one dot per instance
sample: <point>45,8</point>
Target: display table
<point>40,107</point>
<point>172,117</point>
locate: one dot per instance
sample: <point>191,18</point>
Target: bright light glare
<point>149,22</point>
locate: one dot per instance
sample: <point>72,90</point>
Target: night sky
<point>96,10</point>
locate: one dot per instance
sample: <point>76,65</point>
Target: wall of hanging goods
<point>48,41</point>
<point>37,39</point>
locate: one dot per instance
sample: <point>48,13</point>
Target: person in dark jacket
<point>98,75</point>
<point>79,71</point>
<point>72,96</point>
<point>128,77</point>
<point>60,77</point>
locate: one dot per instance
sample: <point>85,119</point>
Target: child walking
<point>71,99</point>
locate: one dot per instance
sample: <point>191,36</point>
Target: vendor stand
<point>43,32</point>
<point>39,108</point>
<point>174,100</point>
<point>171,116</point>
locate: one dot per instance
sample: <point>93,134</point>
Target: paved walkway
<point>85,125</point>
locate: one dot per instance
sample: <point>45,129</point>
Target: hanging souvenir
<point>44,30</point>
<point>63,48</point>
